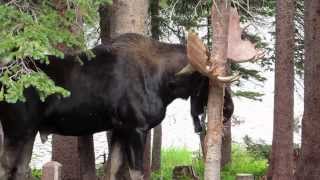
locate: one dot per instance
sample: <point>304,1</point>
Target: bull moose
<point>125,88</point>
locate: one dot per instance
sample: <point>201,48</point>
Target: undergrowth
<point>243,161</point>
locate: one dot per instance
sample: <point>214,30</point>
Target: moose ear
<point>188,69</point>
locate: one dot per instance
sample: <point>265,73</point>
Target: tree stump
<point>245,177</point>
<point>184,172</point>
<point>52,171</point>
<point>77,156</point>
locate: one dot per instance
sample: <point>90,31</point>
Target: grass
<point>173,157</point>
<point>242,162</point>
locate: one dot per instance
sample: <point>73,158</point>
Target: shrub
<point>36,174</point>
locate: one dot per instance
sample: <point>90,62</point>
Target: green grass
<point>242,162</point>
<point>169,159</point>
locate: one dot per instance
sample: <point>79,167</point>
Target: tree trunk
<point>157,131</point>
<point>155,21</point>
<point>147,158</point>
<point>214,132</point>
<point>156,148</point>
<point>282,144</point>
<point>105,12</point>
<point>220,22</point>
<point>76,154</point>
<point>129,16</point>
<point>105,23</point>
<point>226,144</point>
<point>309,168</point>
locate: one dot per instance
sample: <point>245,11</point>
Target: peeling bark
<point>220,22</point>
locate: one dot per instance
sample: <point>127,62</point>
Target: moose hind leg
<point>14,161</point>
<point>23,170</point>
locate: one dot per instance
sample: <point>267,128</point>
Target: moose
<point>125,88</point>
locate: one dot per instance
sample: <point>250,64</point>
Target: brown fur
<point>150,52</point>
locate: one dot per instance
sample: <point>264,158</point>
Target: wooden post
<point>52,171</point>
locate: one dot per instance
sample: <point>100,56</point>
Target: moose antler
<point>240,50</point>
<point>198,54</point>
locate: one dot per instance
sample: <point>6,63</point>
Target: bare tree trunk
<point>282,144</point>
<point>76,154</point>
<point>309,168</point>
<point>214,132</point>
<point>105,12</point>
<point>157,131</point>
<point>156,148</point>
<point>226,144</point>
<point>105,23</point>
<point>129,16</point>
<point>147,158</point>
<point>220,22</point>
<point>155,21</point>
<point>226,139</point>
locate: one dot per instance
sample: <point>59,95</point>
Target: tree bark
<point>214,132</point>
<point>129,16</point>
<point>226,144</point>
<point>105,13</point>
<point>76,154</point>
<point>105,23</point>
<point>156,148</point>
<point>157,131</point>
<point>282,144</point>
<point>220,22</point>
<point>147,158</point>
<point>309,168</point>
<point>155,20</point>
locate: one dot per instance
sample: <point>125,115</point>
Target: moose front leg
<point>134,151</point>
<point>117,156</point>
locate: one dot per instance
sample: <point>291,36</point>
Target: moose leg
<point>14,162</point>
<point>22,167</point>
<point>116,156</point>
<point>134,151</point>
